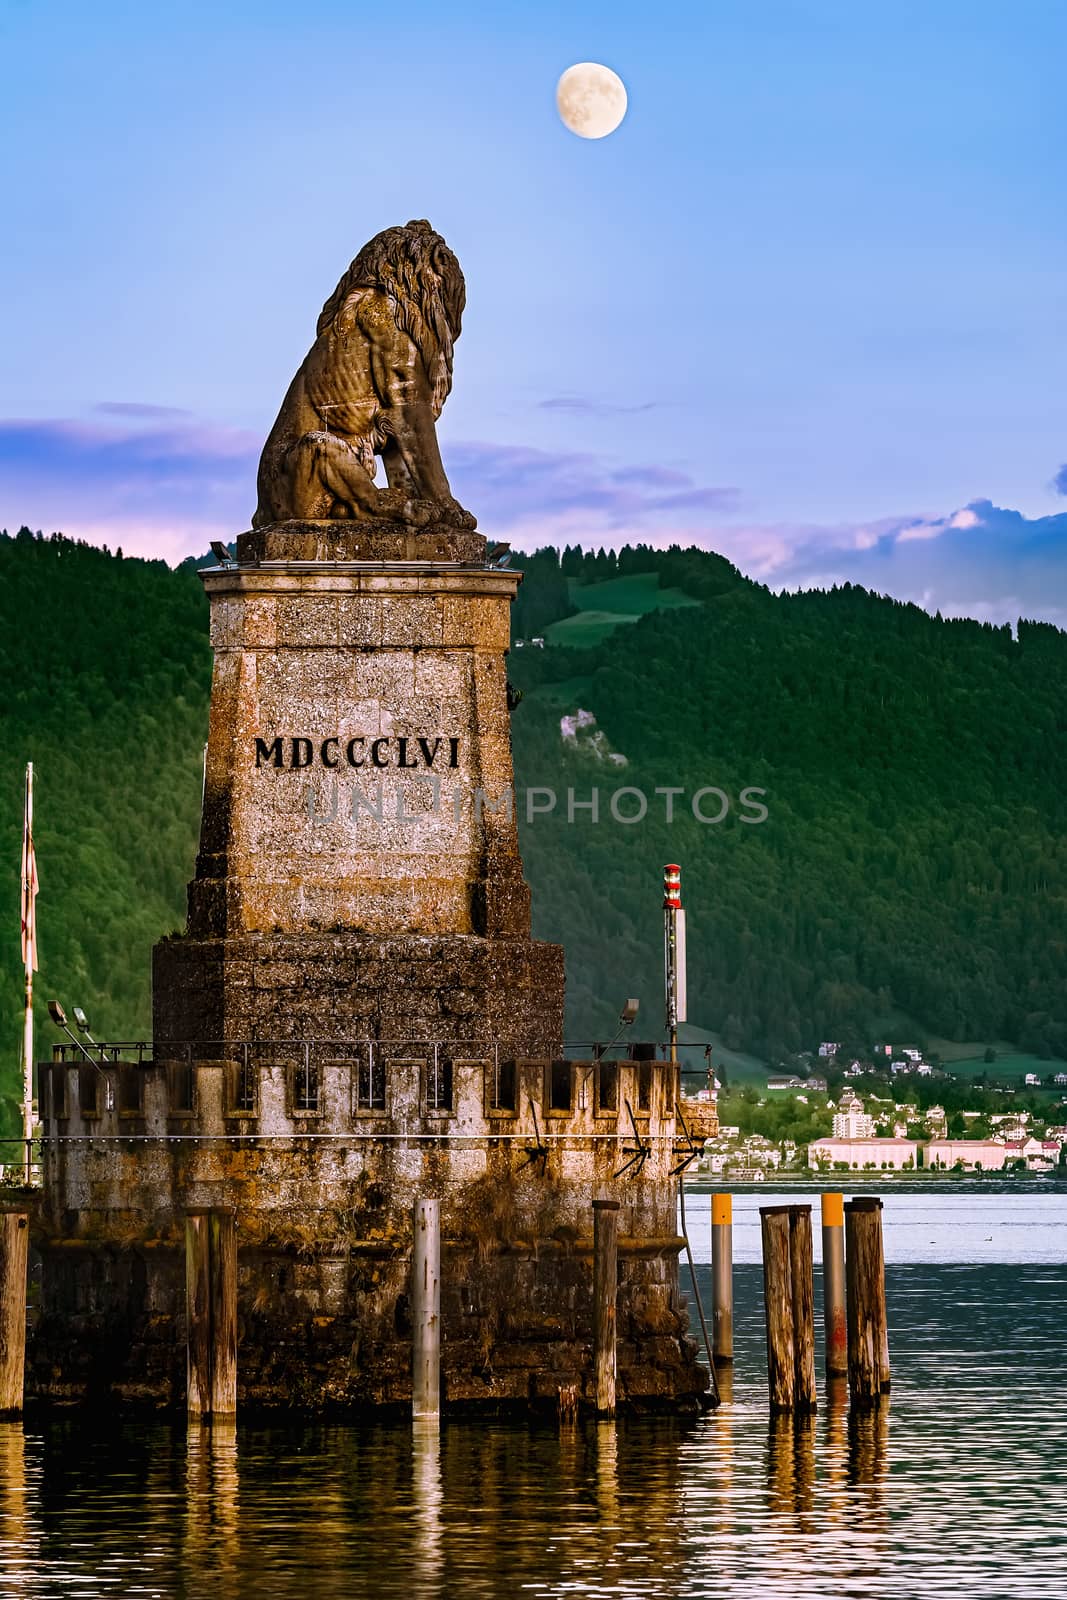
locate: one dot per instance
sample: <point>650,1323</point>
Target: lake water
<point>957,1487</point>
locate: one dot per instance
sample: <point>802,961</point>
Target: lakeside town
<point>900,1109</point>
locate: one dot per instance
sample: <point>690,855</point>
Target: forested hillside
<point>913,862</point>
<point>105,672</point>
<point>914,859</point>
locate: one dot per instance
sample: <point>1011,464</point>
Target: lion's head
<point>422,278</point>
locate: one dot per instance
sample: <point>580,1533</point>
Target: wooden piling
<point>722,1279</point>
<point>801,1272</point>
<point>426,1310</point>
<point>778,1305</point>
<point>835,1323</point>
<point>14,1252</point>
<point>605,1291</point>
<point>868,1333</point>
<point>211,1313</point>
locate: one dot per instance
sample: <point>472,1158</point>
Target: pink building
<point>892,1154</point>
<point>985,1155</point>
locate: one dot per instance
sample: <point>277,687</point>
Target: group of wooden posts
<point>854,1309</point>
<point>856,1335</point>
<point>856,1332</point>
<point>211,1312</point>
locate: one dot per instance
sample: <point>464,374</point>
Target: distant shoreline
<point>914,1183</point>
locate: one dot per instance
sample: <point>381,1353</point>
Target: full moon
<point>591,99</point>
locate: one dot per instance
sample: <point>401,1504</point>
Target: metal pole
<point>672,905</point>
<point>833,1285</point>
<point>722,1277</point>
<point>426,1310</point>
<point>696,1292</point>
<point>29,953</point>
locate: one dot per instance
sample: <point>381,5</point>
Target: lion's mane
<point>416,270</point>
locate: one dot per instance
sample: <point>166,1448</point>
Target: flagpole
<point>29,951</point>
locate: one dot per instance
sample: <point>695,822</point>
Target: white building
<point>859,1155</point>
<point>850,1119</point>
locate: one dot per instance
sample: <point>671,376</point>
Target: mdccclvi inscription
<point>405,751</point>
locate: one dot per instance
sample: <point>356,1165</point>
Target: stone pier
<point>356,1014</point>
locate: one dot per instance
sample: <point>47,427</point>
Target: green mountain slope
<point>913,862</point>
<point>105,671</point>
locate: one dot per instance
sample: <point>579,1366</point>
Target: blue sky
<point>807,306</point>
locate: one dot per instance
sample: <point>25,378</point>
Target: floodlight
<point>59,1017</point>
<point>627,1016</point>
<point>83,1023</point>
<point>221,554</point>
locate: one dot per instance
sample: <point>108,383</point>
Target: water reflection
<point>428,1496</point>
<point>211,1504</point>
<point>607,1475</point>
<point>18,1544</point>
<point>791,1464</point>
<point>842,1504</point>
<point>868,1448</point>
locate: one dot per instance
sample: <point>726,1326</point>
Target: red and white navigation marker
<point>673,952</point>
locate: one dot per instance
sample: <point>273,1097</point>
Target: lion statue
<point>372,384</point>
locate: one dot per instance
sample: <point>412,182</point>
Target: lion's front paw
<point>420,513</point>
<point>458,517</point>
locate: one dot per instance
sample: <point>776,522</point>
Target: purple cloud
<point>980,561</point>
<point>582,406</point>
<point>139,409</point>
<point>160,489</point>
<point>162,483</point>
<point>508,486</point>
<point>652,477</point>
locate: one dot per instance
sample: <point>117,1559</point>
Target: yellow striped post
<point>722,1277</point>
<point>833,1285</point>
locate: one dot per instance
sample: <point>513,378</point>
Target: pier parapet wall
<point>320,1147</point>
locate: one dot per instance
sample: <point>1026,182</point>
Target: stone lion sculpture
<point>372,384</point>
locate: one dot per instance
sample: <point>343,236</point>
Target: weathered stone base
<point>345,985</point>
<point>323,1334</point>
<point>359,541</point>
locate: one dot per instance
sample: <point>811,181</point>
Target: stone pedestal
<point>477,994</point>
<point>359,871</point>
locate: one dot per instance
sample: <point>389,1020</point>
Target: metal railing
<point>692,1058</point>
<point>349,1080</point>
